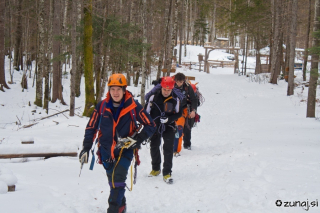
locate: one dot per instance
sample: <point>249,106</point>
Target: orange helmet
<point>167,82</point>
<point>117,80</point>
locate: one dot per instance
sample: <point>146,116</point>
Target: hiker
<point>114,119</point>
<point>191,122</point>
<point>189,108</point>
<point>163,105</point>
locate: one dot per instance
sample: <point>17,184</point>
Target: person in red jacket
<point>115,118</point>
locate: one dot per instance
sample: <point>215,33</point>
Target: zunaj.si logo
<point>278,203</point>
<point>304,204</point>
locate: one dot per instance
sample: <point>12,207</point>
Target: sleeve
<point>92,127</point>
<point>193,98</point>
<point>178,113</point>
<point>144,118</point>
<point>148,105</point>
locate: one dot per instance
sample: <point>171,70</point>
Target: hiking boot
<point>187,147</point>
<point>154,173</point>
<point>176,154</point>
<point>168,179</point>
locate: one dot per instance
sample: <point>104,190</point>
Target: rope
<point>200,97</point>
<point>116,166</point>
<point>162,127</point>
<point>120,154</point>
<point>131,176</point>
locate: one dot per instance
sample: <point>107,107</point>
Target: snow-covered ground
<point>253,147</point>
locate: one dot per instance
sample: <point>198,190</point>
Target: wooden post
<point>12,188</point>
<point>205,67</point>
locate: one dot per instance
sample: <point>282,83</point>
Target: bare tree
<point>275,59</point>
<point>74,56</point>
<point>306,52</point>
<point>3,82</point>
<point>48,60</point>
<point>173,35</point>
<point>56,67</point>
<point>79,56</point>
<point>18,37</point>
<point>314,73</point>
<point>41,56</point>
<point>293,34</point>
<point>144,51</point>
<point>168,33</point>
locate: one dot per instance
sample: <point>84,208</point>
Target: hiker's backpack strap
<point>133,115</point>
<point>102,107</point>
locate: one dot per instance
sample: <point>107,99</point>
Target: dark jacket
<point>113,123</point>
<point>158,106</point>
<point>190,99</point>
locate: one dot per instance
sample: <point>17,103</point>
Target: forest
<point>134,37</point>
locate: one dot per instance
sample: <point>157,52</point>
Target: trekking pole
<point>82,162</point>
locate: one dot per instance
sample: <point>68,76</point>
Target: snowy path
<point>252,147</point>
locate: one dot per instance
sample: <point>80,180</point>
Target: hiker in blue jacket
<point>116,118</point>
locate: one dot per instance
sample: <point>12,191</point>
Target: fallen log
<point>39,155</point>
<point>29,125</point>
<point>27,142</point>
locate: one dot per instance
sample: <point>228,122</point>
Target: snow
<point>194,51</point>
<point>3,187</point>
<point>9,179</point>
<point>253,146</point>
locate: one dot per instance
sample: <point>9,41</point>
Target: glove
<point>84,154</point>
<point>136,145</point>
<point>164,120</point>
<point>139,138</point>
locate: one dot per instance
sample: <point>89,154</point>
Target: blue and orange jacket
<point>121,124</point>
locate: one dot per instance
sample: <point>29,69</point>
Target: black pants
<point>117,183</point>
<point>187,132</point>
<point>168,140</point>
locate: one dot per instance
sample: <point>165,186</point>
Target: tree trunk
<point>162,44</point>
<point>18,37</point>
<point>144,51</point>
<point>97,70</point>
<point>3,82</point>
<point>246,55</point>
<point>2,46</point>
<point>293,34</point>
<point>306,52</point>
<point>49,53</point>
<point>258,61</point>
<point>168,38</point>
<point>101,69</point>
<point>74,69</point>
<point>79,56</point>
<point>181,30</point>
<point>88,58</point>
<point>173,35</point>
<point>314,73</point>
<point>56,82</point>
<point>104,74</point>
<point>275,70</point>
<point>41,55</point>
